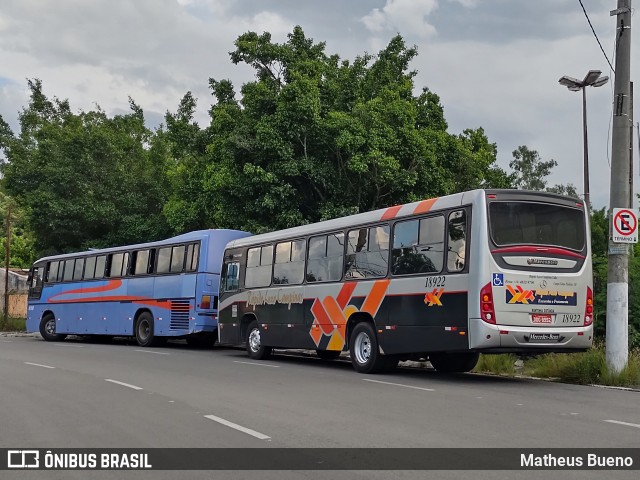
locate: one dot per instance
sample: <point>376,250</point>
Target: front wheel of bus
<point>255,349</point>
<point>363,348</point>
<point>48,329</point>
<point>144,331</point>
<point>454,362</point>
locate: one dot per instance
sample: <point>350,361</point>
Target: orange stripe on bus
<point>345,294</point>
<point>374,299</point>
<point>334,311</point>
<point>425,206</point>
<point>391,212</point>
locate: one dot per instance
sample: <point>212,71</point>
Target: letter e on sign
<point>625,226</point>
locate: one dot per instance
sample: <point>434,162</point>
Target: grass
<point>583,368</point>
<point>13,325</point>
<point>497,364</point>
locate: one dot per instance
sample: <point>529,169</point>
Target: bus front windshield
<point>533,223</point>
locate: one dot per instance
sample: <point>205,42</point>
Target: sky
<point>494,63</point>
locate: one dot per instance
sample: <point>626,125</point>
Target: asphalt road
<point>82,395</point>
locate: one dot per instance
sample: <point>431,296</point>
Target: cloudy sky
<point>494,63</point>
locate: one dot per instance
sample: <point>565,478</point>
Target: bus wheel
<point>328,354</point>
<point>48,329</point>
<point>144,331</point>
<point>454,362</point>
<point>363,348</point>
<point>255,349</point>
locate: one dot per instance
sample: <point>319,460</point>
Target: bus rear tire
<point>454,362</point>
<point>255,349</point>
<point>48,329</point>
<point>144,331</point>
<point>328,354</point>
<point>364,351</point>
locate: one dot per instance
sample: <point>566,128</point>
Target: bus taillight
<point>487,311</point>
<point>205,303</point>
<point>588,311</point>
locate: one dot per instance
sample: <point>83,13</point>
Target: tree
<point>84,180</point>
<point>529,169</point>
<point>316,137</point>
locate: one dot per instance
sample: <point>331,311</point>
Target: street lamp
<point>593,79</point>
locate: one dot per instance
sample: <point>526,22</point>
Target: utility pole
<point>6,267</point>
<point>617,341</point>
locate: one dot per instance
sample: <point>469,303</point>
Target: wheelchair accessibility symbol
<point>498,280</point>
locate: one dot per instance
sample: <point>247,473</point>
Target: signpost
<point>625,226</point>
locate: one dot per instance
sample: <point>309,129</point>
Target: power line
<point>596,35</point>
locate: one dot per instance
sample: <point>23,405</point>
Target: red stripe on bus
<point>321,315</point>
<point>425,206</point>
<point>345,294</point>
<point>538,251</point>
<point>391,212</point>
<point>111,285</point>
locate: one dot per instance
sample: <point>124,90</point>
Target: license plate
<point>541,318</point>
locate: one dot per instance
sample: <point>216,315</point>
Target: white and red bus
<point>484,271</point>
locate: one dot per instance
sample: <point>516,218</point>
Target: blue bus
<point>150,291</point>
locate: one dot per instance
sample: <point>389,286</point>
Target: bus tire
<point>255,349</point>
<point>48,329</point>
<point>363,348</point>
<point>328,354</point>
<point>144,331</point>
<point>454,362</point>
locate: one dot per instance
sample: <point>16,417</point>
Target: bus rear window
<point>530,223</point>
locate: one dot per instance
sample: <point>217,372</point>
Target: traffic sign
<point>625,226</point>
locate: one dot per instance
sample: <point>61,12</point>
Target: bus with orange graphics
<point>151,291</point>
<point>444,279</point>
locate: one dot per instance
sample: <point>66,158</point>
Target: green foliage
<point>498,364</point>
<point>84,180</point>
<point>585,368</point>
<point>13,324</point>
<point>316,137</point>
<point>529,169</point>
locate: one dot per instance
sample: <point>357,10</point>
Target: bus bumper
<point>509,338</point>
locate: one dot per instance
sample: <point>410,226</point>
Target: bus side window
<point>177,259</point>
<point>101,264</point>
<point>89,268</point>
<point>68,270</point>
<point>140,263</point>
<point>259,261</point>
<point>230,276</point>
<point>164,260</point>
<point>326,255</point>
<point>52,273</point>
<point>367,252</point>
<point>456,247</point>
<point>193,251</point>
<point>77,270</point>
<point>289,265</point>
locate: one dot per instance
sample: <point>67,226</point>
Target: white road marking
<point>38,365</point>
<point>259,364</point>
<point>399,385</point>
<point>240,428</point>
<point>151,351</point>
<point>67,345</point>
<point>5,341</point>
<point>623,423</point>
<point>123,384</point>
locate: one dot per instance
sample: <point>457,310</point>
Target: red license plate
<point>541,318</point>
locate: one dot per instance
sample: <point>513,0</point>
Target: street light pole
<point>585,150</point>
<point>591,79</point>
